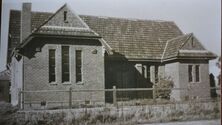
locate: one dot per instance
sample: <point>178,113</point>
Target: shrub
<point>164,88</point>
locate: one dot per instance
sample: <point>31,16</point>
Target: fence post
<point>114,96</point>
<point>70,97</point>
<point>19,98</point>
<point>154,93</point>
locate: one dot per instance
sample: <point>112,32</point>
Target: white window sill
<point>193,83</point>
<point>79,83</point>
<point>53,83</point>
<point>66,83</point>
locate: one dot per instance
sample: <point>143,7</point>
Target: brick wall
<point>16,79</point>
<point>36,72</point>
<point>199,89</point>
<point>178,71</point>
<point>172,71</point>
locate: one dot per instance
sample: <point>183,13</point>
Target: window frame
<point>156,72</point>
<point>190,73</point>
<point>81,66</point>
<point>50,65</point>
<point>197,71</point>
<point>194,74</point>
<point>62,65</point>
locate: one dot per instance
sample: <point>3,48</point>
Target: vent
<point>65,16</point>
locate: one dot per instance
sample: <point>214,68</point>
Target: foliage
<point>218,64</point>
<point>164,88</point>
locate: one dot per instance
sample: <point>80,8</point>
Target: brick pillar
<point>152,74</point>
<point>145,71</point>
<point>25,21</point>
<point>161,71</point>
<point>138,74</point>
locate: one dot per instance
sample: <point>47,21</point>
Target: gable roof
<point>185,46</point>
<point>57,25</point>
<point>134,39</point>
<point>173,46</point>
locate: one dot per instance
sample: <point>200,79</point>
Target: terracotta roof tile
<point>181,46</point>
<point>173,45</point>
<point>136,39</point>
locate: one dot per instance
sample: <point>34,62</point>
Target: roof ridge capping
<point>181,36</point>
<point>189,35</point>
<point>104,17</point>
<point>35,11</point>
<point>124,18</point>
<point>175,38</point>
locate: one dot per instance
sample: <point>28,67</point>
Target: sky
<point>201,17</point>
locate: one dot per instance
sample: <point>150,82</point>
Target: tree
<point>164,88</point>
<point>213,92</point>
<point>218,64</point>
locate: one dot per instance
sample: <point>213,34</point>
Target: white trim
<point>181,37</point>
<point>164,51</point>
<point>53,83</point>
<point>66,28</point>
<point>106,45</point>
<point>193,51</point>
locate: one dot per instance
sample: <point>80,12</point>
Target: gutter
<point>187,57</point>
<point>33,35</point>
<point>114,58</point>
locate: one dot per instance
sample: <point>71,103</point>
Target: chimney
<point>25,20</point>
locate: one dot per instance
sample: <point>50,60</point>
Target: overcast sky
<point>201,17</point>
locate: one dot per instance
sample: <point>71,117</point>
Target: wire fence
<point>81,98</point>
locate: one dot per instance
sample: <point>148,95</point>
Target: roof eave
<point>133,59</point>
<point>198,57</point>
<point>144,60</point>
<point>33,35</point>
<point>66,36</point>
<point>189,57</point>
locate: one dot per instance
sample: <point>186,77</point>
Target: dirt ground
<point>10,116</point>
<point>201,122</point>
